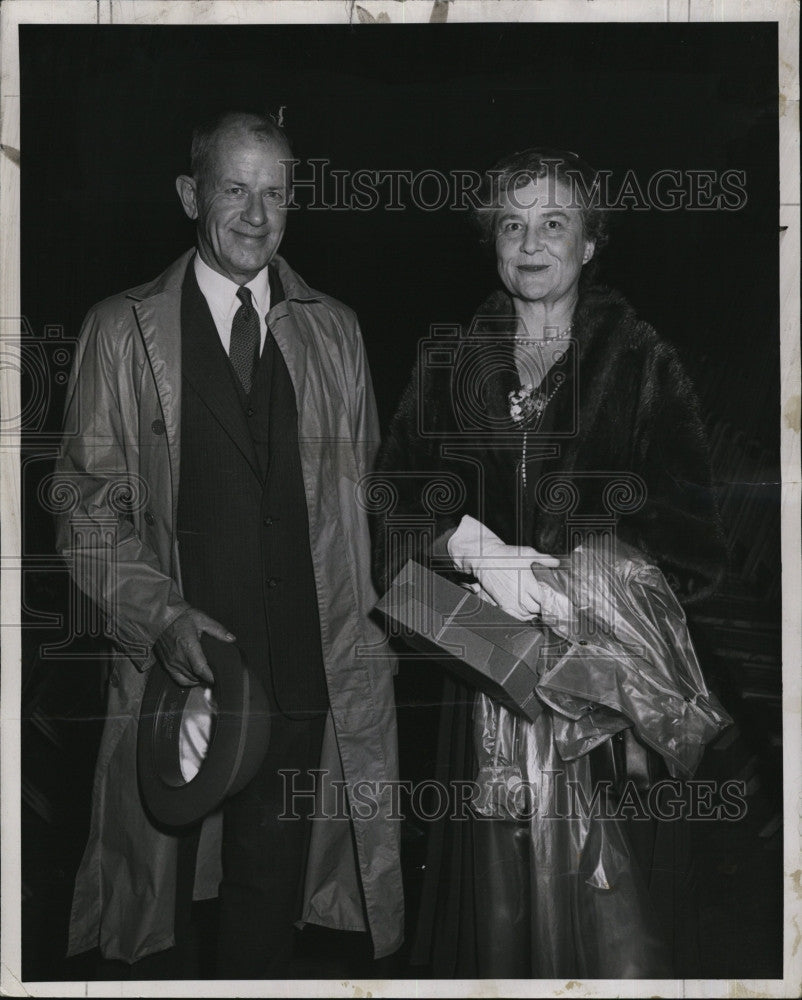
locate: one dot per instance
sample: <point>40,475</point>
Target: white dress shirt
<point>220,293</point>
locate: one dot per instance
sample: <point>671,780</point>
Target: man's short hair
<point>205,134</point>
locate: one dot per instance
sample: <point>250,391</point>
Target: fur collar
<point>599,310</point>
<point>604,324</point>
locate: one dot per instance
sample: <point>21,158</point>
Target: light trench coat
<point>120,465</point>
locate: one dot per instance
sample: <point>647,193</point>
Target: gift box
<point>483,645</point>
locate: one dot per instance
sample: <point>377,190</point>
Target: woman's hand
<point>504,571</point>
<point>507,578</point>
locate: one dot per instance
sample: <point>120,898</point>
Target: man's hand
<point>504,571</point>
<point>179,650</point>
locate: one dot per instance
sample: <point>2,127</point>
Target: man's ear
<point>590,249</point>
<point>188,193</point>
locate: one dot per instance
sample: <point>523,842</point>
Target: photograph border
<point>383,15</point>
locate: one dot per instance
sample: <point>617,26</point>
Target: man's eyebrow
<point>226,181</point>
<point>556,211</point>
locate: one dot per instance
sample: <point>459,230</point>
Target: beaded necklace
<point>527,405</point>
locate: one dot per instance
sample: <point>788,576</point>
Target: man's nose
<point>532,241</point>
<point>254,212</point>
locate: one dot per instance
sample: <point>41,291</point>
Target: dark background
<point>107,114</point>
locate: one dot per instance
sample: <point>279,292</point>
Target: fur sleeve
<point>408,463</point>
<point>679,525</point>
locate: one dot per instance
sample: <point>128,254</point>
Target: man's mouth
<point>533,268</point>
<point>250,236</point>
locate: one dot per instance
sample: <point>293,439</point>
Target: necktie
<point>244,347</point>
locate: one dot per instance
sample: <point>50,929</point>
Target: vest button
<point>157,427</point>
<point>249,411</point>
<point>272,581</point>
<point>267,522</point>
<point>149,518</point>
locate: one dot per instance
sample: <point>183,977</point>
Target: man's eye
<point>554,225</point>
<point>234,190</point>
<point>510,227</point>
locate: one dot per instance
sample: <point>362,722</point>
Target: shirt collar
<point>221,292</point>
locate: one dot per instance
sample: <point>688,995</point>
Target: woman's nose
<point>531,241</point>
<point>254,212</point>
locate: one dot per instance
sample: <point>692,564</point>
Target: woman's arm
<point>678,527</point>
<point>407,467</point>
<point>410,469</point>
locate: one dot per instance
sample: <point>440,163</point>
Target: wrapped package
<point>610,650</point>
<point>479,642</point>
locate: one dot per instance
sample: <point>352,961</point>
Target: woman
<point>560,414</point>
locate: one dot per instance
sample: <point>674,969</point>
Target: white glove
<point>504,571</point>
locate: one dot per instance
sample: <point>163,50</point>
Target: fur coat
<point>623,445</point>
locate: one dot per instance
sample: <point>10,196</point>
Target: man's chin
<point>248,265</point>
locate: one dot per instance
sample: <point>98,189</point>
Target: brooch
<point>525,404</point>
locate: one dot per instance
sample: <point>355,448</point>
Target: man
<point>240,402</point>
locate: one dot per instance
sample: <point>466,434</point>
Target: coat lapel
<point>208,370</point>
<point>157,308</point>
<point>289,327</point>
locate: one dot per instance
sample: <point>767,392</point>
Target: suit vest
<point>243,529</point>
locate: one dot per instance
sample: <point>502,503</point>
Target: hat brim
<point>237,744</point>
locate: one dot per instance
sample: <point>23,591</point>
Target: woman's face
<point>540,242</point>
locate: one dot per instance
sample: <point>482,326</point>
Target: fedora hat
<point>197,745</point>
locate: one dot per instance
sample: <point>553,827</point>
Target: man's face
<point>540,245</point>
<point>239,203</point>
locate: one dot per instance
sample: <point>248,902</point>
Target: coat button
<point>267,522</point>
<point>157,427</point>
<point>149,518</point>
<point>249,411</point>
<point>272,581</point>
